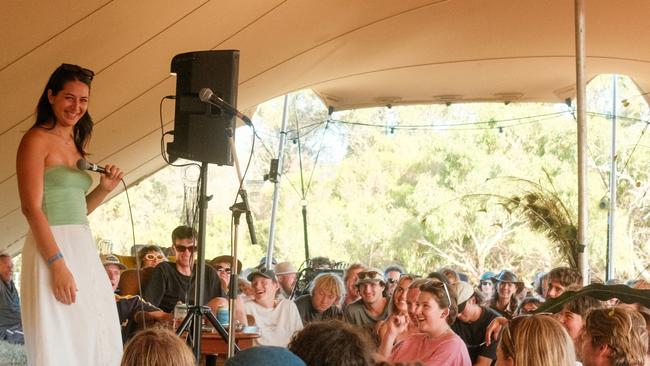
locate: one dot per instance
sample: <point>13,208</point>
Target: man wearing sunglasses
<point>372,307</point>
<point>472,322</point>
<point>172,282</point>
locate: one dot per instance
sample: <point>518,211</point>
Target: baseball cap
<point>265,355</point>
<point>267,273</point>
<point>111,259</point>
<point>463,291</point>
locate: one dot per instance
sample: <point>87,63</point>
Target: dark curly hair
<point>333,343</point>
<point>45,114</point>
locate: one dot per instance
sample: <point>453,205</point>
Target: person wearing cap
<point>128,307</point>
<point>372,307</point>
<point>173,282</point>
<point>486,287</point>
<point>223,265</point>
<point>276,317</point>
<point>286,274</point>
<point>472,322</point>
<point>504,301</point>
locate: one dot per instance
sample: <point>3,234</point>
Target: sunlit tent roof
<point>352,53</point>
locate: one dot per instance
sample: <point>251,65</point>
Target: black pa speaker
<point>201,131</point>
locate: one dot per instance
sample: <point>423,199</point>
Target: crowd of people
<point>74,312</point>
<point>370,316</point>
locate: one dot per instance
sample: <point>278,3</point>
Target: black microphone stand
<point>197,312</point>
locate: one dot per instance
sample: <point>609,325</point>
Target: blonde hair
<point>157,347</point>
<point>537,340</point>
<point>622,330</point>
<point>329,283</point>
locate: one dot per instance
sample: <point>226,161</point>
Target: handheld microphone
<point>84,165</point>
<point>206,95</point>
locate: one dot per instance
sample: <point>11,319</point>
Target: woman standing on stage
<point>68,311</point>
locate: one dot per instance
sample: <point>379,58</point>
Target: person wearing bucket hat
<point>472,322</point>
<point>276,317</point>
<point>222,264</point>
<point>373,306</point>
<point>504,301</point>
<point>485,285</point>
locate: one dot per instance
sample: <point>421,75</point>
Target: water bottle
<point>223,315</point>
<point>180,312</point>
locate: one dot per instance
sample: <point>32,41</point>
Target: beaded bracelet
<point>54,258</point>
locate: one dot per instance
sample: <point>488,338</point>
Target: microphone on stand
<point>206,95</point>
<point>85,165</point>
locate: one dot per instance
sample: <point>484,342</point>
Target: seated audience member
<point>398,304</point>
<point>452,275</point>
<point>11,326</point>
<point>559,279</point>
<point>286,275</point>
<point>573,314</point>
<point>540,284</point>
<point>171,283</point>
<point>157,347</point>
<point>150,256</point>
<point>373,306</point>
<point>128,307</point>
<point>321,263</point>
<point>276,317</point>
<point>613,337</point>
<point>472,322</point>
<point>528,305</point>
<point>223,265</point>
<point>351,277</point>
<point>392,274</point>
<point>333,343</point>
<point>324,299</point>
<point>536,340</point>
<point>504,301</point>
<point>486,287</point>
<point>437,344</point>
<point>265,355</point>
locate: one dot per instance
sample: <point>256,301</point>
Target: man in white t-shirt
<point>276,317</point>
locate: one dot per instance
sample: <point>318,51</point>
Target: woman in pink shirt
<point>437,344</point>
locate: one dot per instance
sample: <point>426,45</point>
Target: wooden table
<point>213,344</point>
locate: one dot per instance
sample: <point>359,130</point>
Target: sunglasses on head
<point>152,256</point>
<point>87,73</point>
<point>437,285</point>
<point>182,248</point>
<point>369,275</point>
<point>222,269</point>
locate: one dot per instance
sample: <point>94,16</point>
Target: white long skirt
<point>85,333</point>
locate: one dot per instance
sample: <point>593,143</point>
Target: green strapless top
<point>64,195</point>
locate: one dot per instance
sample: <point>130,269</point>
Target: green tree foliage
<point>391,185</point>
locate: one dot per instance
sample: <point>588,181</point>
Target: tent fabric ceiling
<point>352,53</point>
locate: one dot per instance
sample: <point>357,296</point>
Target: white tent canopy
<point>352,53</point>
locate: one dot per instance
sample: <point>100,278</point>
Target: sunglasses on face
<point>392,281</point>
<point>222,269</point>
<point>484,283</point>
<point>182,249</point>
<point>87,73</point>
<point>152,256</point>
<point>369,275</point>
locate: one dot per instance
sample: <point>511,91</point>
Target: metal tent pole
<point>612,190</point>
<point>276,188</point>
<point>583,213</point>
